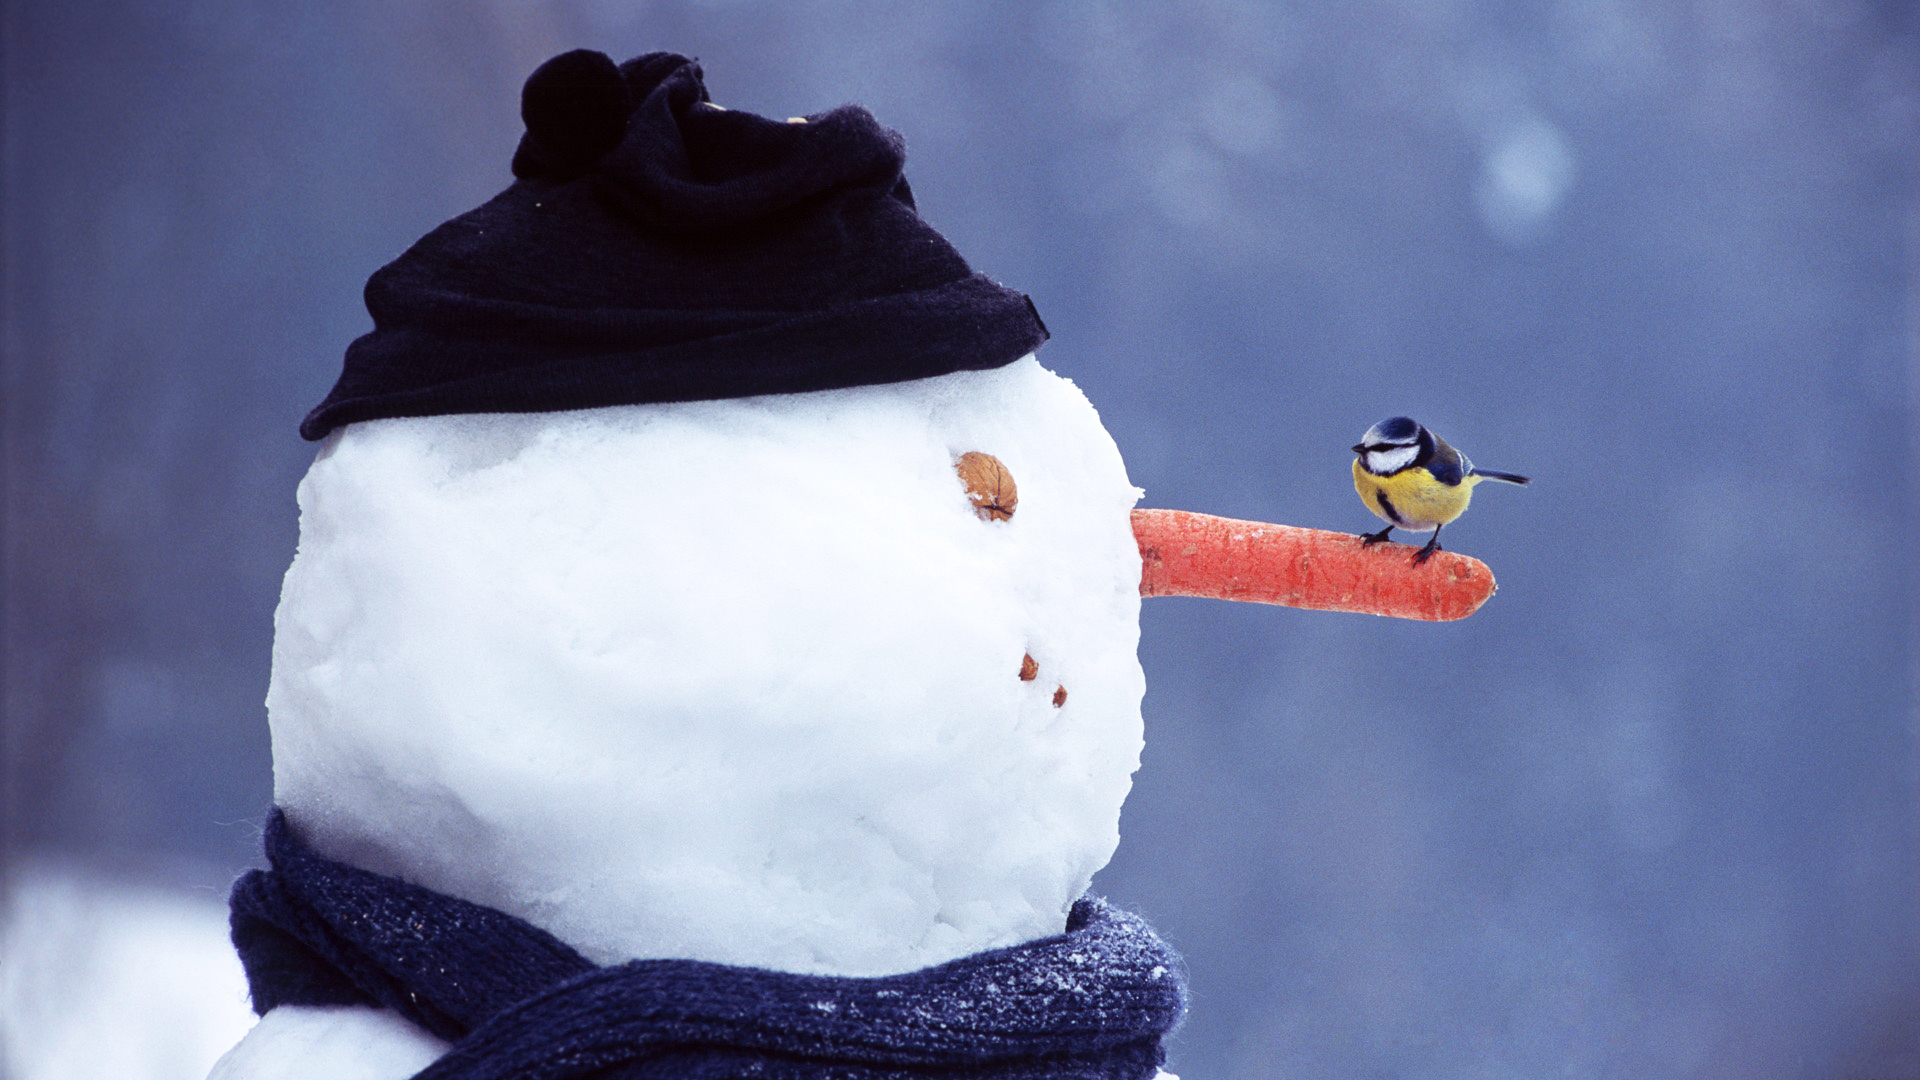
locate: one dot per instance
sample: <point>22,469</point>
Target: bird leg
<point>1426,553</point>
<point>1370,539</point>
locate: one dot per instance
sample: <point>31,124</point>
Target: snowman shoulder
<point>335,1042</point>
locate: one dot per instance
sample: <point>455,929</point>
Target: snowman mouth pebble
<point>637,617</point>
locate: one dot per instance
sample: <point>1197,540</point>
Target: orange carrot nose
<point>1184,554</point>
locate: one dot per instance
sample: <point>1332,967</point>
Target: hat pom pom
<point>575,107</point>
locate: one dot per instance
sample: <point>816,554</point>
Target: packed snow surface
<point>734,681</point>
<point>101,977</point>
<point>334,1042</point>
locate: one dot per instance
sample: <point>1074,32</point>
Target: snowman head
<point>655,610</point>
<point>748,681</point>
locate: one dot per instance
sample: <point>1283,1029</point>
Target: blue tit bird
<point>1411,479</point>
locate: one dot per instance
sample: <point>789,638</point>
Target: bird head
<point>1391,445</point>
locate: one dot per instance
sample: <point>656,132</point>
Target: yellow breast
<point>1411,498</point>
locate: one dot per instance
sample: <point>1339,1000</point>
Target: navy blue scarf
<point>1094,1002</point>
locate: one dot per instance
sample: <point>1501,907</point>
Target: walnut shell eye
<point>989,486</point>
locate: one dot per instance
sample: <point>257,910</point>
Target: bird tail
<point>1503,477</point>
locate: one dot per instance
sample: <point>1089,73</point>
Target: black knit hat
<point>657,247</point>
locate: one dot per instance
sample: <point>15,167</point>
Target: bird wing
<point>1449,466</point>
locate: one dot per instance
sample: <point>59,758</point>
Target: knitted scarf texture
<point>516,1002</point>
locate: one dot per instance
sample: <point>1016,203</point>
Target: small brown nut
<point>1059,696</point>
<point>1029,669</point>
<point>989,485</point>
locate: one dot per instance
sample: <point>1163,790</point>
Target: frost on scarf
<point>1094,1002</point>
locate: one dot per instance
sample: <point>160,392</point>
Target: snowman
<point>711,649</point>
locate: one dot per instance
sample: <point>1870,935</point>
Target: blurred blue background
<point>1651,813</point>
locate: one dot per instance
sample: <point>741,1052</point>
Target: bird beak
<point>1186,554</point>
<point>1359,448</point>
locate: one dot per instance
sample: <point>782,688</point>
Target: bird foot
<point>1426,553</point>
<point>1370,539</point>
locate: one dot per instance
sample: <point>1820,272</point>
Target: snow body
<point>734,681</point>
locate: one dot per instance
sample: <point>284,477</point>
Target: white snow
<point>734,681</point>
<point>342,1042</point>
<point>107,978</point>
